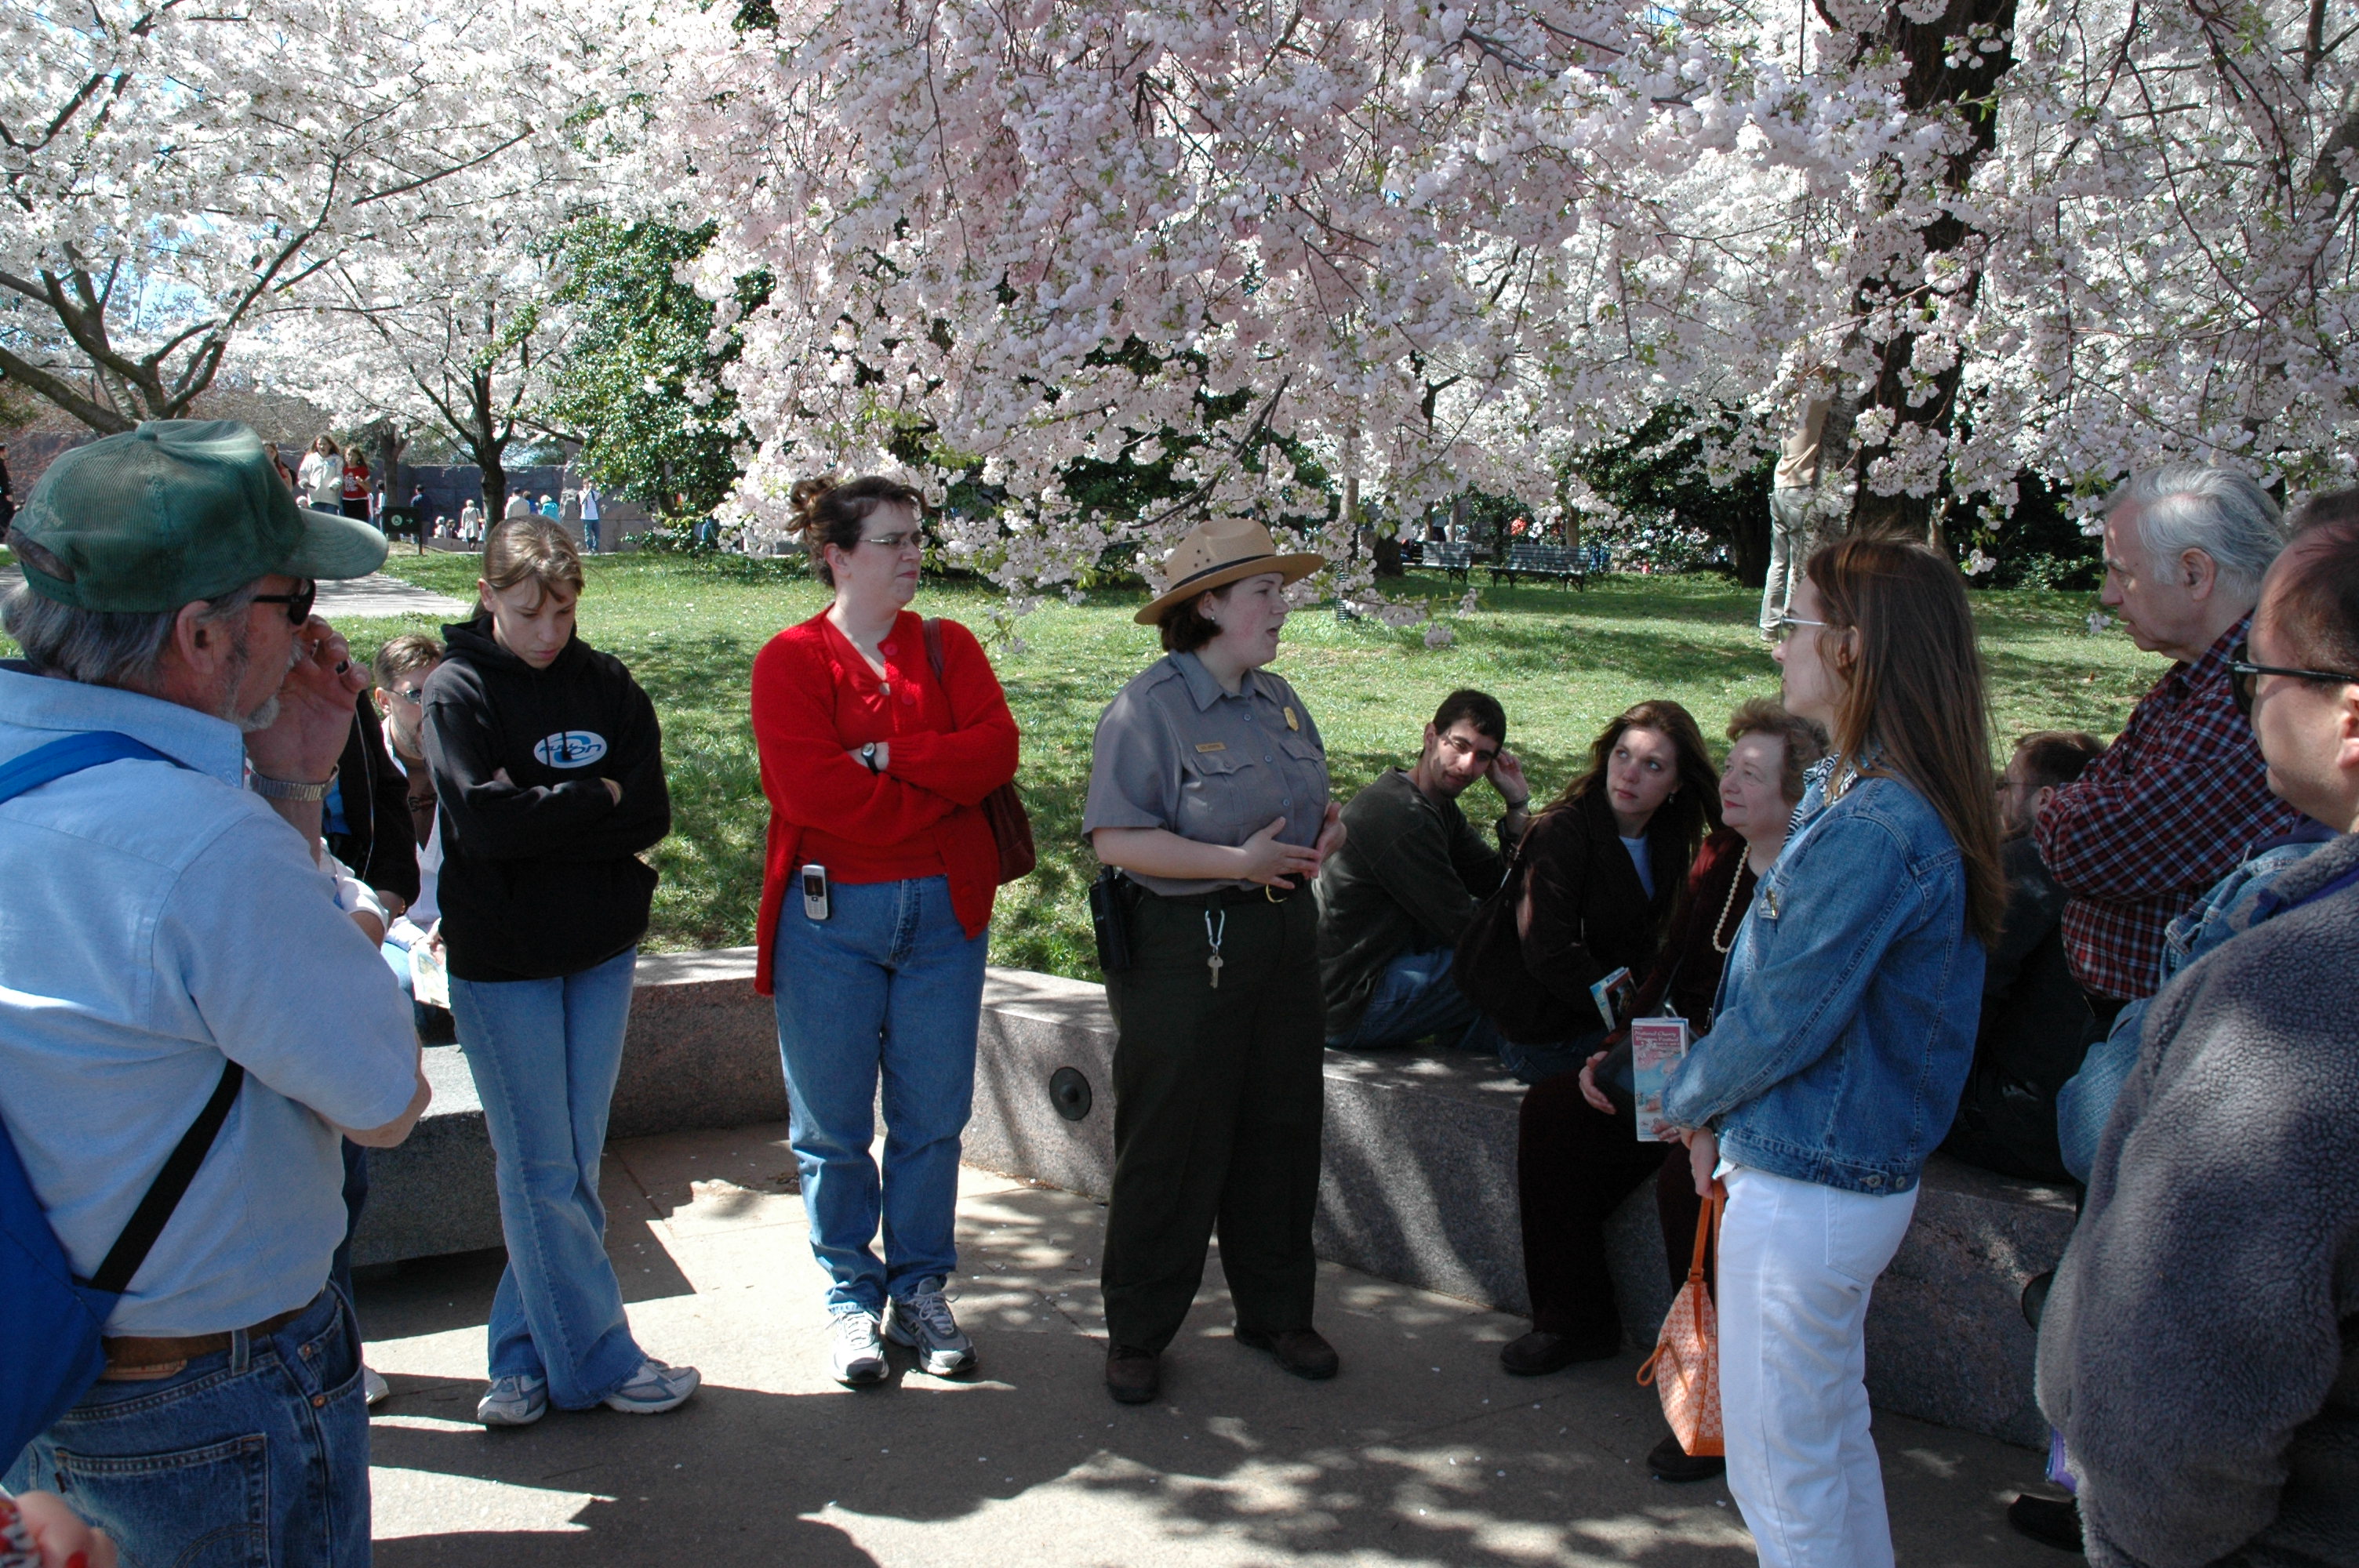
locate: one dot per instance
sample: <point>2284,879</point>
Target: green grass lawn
<point>1563,662</point>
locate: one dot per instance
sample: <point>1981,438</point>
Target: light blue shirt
<point>1638,858</point>
<point>153,920</point>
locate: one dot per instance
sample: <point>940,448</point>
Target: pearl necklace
<point>1734,883</point>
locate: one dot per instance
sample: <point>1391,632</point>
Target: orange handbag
<point>1685,1367</point>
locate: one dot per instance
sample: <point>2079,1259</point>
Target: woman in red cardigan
<point>876,899</point>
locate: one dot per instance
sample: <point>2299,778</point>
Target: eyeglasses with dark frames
<point>298,603</point>
<point>2244,677</point>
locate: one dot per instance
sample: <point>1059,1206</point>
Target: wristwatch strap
<point>283,789</point>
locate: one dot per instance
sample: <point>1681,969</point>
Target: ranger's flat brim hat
<point>1217,553</point>
<point>176,510</point>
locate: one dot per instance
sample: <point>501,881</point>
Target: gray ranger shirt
<point>1173,750</point>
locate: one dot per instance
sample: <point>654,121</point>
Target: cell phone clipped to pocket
<point>814,893</point>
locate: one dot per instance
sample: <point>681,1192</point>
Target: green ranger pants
<point>1218,1100</point>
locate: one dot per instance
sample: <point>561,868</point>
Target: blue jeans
<point>889,983</point>
<point>1538,1064</point>
<point>1414,998</point>
<point>544,1055</point>
<point>256,1454</point>
<point>589,535</point>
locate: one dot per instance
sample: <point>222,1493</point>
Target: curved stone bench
<point>1419,1183</point>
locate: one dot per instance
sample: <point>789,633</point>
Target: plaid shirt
<point>2172,807</point>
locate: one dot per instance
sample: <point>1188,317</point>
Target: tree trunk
<point>1965,93</point>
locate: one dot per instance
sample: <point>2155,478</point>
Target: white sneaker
<point>857,1355</point>
<point>517,1400</point>
<point>375,1391</point>
<point>655,1388</point>
<point>922,1321</point>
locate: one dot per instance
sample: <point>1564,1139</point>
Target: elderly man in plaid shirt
<point>2177,801</point>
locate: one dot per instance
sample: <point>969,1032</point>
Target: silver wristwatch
<point>868,755</point>
<point>283,789</point>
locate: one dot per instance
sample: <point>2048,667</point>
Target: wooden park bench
<point>1524,559</point>
<point>1455,561</point>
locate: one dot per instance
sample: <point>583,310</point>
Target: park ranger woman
<point>1208,792</point>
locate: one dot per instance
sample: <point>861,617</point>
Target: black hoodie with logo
<point>541,873</point>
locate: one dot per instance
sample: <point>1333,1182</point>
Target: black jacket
<point>1591,914</point>
<point>376,843</point>
<point>541,875</point>
<point>2036,1027</point>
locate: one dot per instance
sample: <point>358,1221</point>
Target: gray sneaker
<point>655,1388</point>
<point>517,1400</point>
<point>922,1321</point>
<point>857,1355</point>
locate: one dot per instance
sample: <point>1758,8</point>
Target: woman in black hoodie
<point>549,766</point>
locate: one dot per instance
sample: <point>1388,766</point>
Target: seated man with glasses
<point>1395,899</point>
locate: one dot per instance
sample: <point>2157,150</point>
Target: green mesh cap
<point>176,510</point>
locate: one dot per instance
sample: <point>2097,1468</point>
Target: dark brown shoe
<point>1133,1376</point>
<point>1669,1462</point>
<point>1539,1353</point>
<point>1302,1351</point>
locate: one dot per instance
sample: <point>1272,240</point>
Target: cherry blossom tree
<point>173,173</point>
<point>1439,245</point>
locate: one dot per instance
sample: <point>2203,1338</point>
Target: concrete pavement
<point>1422,1451</point>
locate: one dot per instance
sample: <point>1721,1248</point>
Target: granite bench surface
<point>1418,1180</point>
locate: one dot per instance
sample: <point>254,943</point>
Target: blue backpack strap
<point>51,1321</point>
<point>44,764</point>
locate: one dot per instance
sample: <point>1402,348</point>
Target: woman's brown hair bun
<point>829,513</point>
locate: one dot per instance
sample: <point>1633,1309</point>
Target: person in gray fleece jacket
<point>2199,1351</point>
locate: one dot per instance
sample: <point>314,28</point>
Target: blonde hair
<point>531,549</point>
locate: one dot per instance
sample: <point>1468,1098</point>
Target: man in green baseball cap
<point>175,965</point>
<point>151,558</point>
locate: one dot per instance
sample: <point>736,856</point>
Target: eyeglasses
<point>415,699</point>
<point>896,542</point>
<point>2244,678</point>
<point>1786,624</point>
<point>298,603</point>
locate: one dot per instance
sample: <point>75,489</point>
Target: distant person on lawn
<point>169,938</point>
<point>1394,901</point>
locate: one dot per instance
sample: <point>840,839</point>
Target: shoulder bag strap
<point>45,764</point>
<point>171,1184</point>
<point>933,625</point>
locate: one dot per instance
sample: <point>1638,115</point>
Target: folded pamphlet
<point>1654,1044</point>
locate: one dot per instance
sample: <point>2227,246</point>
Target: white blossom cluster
<point>1439,245</point>
<point>176,174</point>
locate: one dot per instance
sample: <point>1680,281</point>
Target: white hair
<point>2193,506</point>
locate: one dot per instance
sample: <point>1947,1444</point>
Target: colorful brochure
<point>1654,1044</point>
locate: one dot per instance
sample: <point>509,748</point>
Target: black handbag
<point>1488,968</point>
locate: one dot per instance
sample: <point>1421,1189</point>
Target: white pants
<point>1797,1261</point>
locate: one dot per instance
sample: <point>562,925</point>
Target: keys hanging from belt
<point>1212,936</point>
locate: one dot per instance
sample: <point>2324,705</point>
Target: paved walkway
<point>374,595</point>
<point>1422,1452</point>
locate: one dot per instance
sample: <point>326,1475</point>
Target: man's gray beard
<point>264,717</point>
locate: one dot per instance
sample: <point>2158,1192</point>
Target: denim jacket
<point>1847,1012</point>
<point>2235,904</point>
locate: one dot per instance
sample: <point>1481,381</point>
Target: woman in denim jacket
<point>1844,1028</point>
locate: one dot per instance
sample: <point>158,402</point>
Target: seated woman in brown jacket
<point>1594,880</point>
<point>1578,1154</point>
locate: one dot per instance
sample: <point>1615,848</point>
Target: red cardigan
<point>953,742</point>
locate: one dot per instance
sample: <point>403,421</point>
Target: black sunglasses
<point>298,603</point>
<point>2244,675</point>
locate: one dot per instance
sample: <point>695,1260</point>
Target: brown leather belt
<point>130,1353</point>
